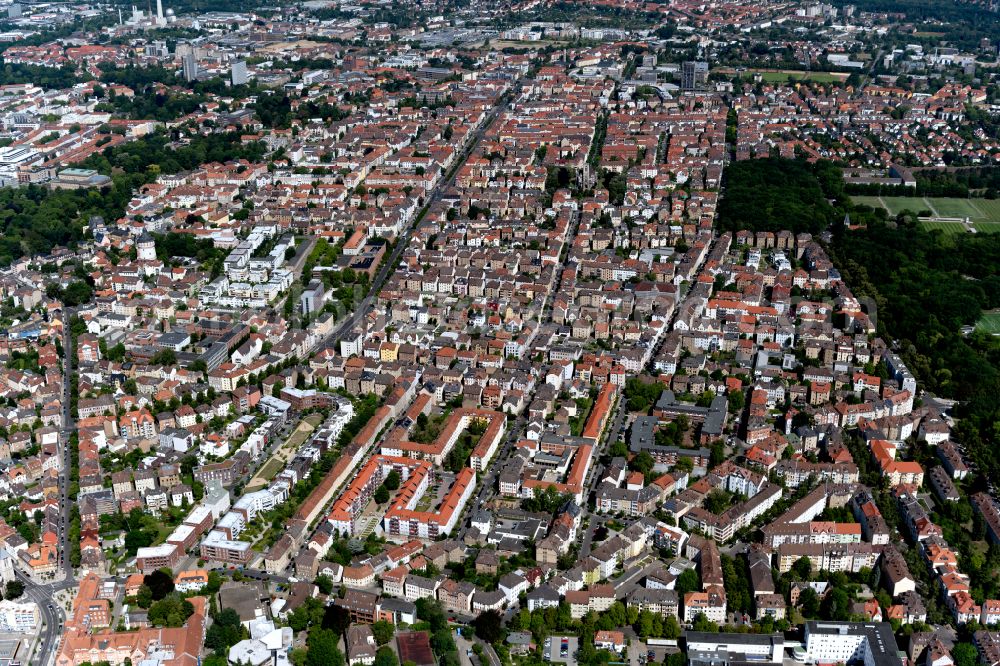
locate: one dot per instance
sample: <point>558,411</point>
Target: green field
<point>990,208</point>
<point>782,77</point>
<point>264,475</point>
<point>990,322</point>
<point>895,205</point>
<point>946,227</point>
<point>979,211</point>
<point>955,208</point>
<point>867,201</point>
<point>987,227</point>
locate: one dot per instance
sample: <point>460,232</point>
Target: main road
<point>52,615</point>
<point>68,428</point>
<point>42,594</point>
<point>389,264</point>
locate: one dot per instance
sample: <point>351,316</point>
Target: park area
<point>947,213</point>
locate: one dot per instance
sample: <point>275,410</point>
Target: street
<point>392,261</point>
<point>53,616</point>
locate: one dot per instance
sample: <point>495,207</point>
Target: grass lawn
<point>990,208</point>
<point>270,469</point>
<point>898,204</point>
<point>867,201</point>
<point>895,205</point>
<point>299,436</point>
<point>274,464</point>
<point>772,76</point>
<point>977,210</point>
<point>955,208</point>
<point>426,501</point>
<point>990,322</point>
<point>987,227</point>
<point>946,227</point>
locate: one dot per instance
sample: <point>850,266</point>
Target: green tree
<point>802,568</point>
<point>144,598</point>
<point>299,619</point>
<point>837,605</point>
<point>322,650</point>
<point>643,462</point>
<point>226,631</point>
<point>13,589</point>
<point>324,583</point>
<point>170,611</point>
<point>640,394</point>
<point>337,619</point>
<point>809,603</point>
<point>964,654</point>
<point>717,453</point>
<point>702,623</point>
<point>489,626</point>
<point>687,582</point>
<point>386,657</point>
<point>717,501</point>
<point>383,631</point>
<point>164,357</point>
<point>671,628</point>
<point>618,449</point>
<point>159,583</point>
<point>675,659</point>
<point>684,464</point>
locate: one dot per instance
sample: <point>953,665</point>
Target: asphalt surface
<point>488,482</point>
<point>389,265</point>
<point>52,614</point>
<point>69,427</point>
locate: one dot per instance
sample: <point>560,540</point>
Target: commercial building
<point>189,65</point>
<point>152,558</point>
<point>713,649</point>
<point>19,617</point>
<point>851,642</point>
<point>217,547</point>
<point>694,74</point>
<point>239,73</point>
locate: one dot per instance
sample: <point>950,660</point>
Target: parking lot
<point>553,649</point>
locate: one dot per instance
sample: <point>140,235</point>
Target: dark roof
<point>543,592</point>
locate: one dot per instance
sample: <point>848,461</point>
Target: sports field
<point>946,227</point>
<point>774,76</point>
<point>990,322</point>
<point>983,214</point>
<point>987,227</point>
<point>895,205</point>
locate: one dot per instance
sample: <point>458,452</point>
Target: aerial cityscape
<point>452,333</point>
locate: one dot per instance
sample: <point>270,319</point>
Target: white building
<point>850,642</point>
<point>266,645</point>
<point>6,566</point>
<point>722,648</point>
<point>19,617</point>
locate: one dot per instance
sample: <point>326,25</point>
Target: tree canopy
<point>776,194</point>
